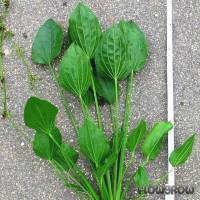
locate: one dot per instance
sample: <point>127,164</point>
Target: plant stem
<point>124,134</point>
<point>100,183</point>
<point>80,173</point>
<point>139,197</point>
<point>97,105</point>
<point>145,162</point>
<point>3,34</point>
<point>100,124</point>
<point>64,100</point>
<point>31,77</point>
<point>109,185</point>
<point>129,163</point>
<point>2,77</point>
<point>84,107</point>
<point>127,186</point>
<point>161,179</point>
<point>127,111</point>
<point>116,138</point>
<point>70,185</point>
<point>22,133</point>
<point>5,105</point>
<point>71,177</point>
<point>129,182</point>
<point>117,117</point>
<point>155,183</point>
<point>112,117</point>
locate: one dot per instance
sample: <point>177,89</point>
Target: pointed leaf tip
<point>181,154</point>
<point>84,29</point>
<point>152,144</point>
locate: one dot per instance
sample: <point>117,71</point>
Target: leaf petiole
<point>161,179</point>
<point>80,173</point>
<point>129,163</point>
<point>109,184</point>
<point>84,107</point>
<point>24,135</point>
<point>96,104</point>
<point>70,185</point>
<point>116,138</point>
<point>129,182</point>
<point>63,99</point>
<point>112,117</point>
<point>124,133</point>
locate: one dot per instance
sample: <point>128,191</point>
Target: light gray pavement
<point>187,87</point>
<point>25,177</point>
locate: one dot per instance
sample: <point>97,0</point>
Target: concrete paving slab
<point>187,88</point>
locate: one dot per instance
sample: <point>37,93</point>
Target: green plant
<point>31,77</point>
<point>91,68</point>
<point>4,34</point>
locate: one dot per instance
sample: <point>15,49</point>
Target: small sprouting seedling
<point>118,54</point>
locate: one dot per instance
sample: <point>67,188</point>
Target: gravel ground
<point>22,175</point>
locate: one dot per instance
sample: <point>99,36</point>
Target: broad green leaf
<point>93,143</point>
<point>136,136</point>
<point>109,162</point>
<point>152,144</point>
<point>44,146</point>
<point>155,152</point>
<point>47,43</point>
<point>88,98</point>
<point>75,71</point>
<point>40,115</point>
<point>181,154</point>
<point>84,29</point>
<point>56,135</point>
<point>141,177</point>
<point>111,55</point>
<point>65,157</point>
<point>137,44</point>
<point>70,155</point>
<point>60,161</point>
<point>105,88</point>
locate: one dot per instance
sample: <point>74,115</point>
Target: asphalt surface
<point>25,177</point>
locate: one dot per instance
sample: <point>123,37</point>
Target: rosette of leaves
<point>119,53</point>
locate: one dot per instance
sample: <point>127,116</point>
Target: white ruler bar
<point>170,93</point>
